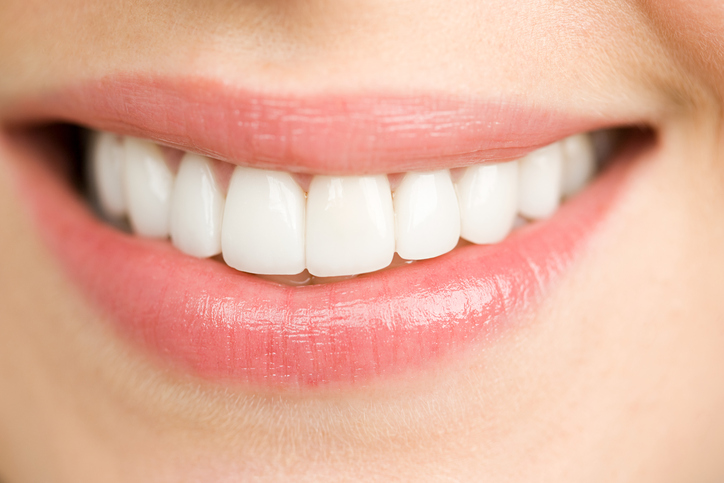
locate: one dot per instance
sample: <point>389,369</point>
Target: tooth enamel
<point>350,225</point>
<point>539,187</point>
<point>263,230</point>
<point>345,225</point>
<point>148,188</point>
<point>197,206</point>
<point>427,217</point>
<point>488,197</point>
<point>579,163</point>
<point>107,171</point>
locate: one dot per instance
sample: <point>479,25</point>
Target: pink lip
<point>205,318</point>
<point>323,134</point>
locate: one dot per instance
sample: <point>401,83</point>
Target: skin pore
<point>614,377</point>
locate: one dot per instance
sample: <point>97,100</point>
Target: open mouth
<point>287,243</point>
<point>301,229</point>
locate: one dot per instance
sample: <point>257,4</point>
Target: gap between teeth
<point>267,223</point>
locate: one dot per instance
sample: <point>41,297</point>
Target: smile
<point>297,243</point>
<point>266,222</point>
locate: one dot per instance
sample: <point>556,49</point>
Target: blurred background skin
<point>617,377</point>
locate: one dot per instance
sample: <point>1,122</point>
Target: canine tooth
<point>539,188</point>
<point>148,188</point>
<point>263,230</point>
<point>107,172</point>
<point>488,195</point>
<point>579,163</point>
<point>197,206</point>
<point>427,217</point>
<point>350,225</point>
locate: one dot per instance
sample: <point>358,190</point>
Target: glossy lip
<point>205,318</point>
<point>329,134</point>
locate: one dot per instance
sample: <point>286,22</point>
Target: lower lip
<point>207,319</point>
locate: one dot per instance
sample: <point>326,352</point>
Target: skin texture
<point>616,377</point>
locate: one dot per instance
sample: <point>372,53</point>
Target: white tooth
<point>427,217</point>
<point>579,163</point>
<point>350,225</point>
<point>148,188</point>
<point>539,188</point>
<point>488,195</point>
<point>264,227</point>
<point>197,206</point>
<point>107,171</point>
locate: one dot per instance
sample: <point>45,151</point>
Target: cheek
<point>694,29</point>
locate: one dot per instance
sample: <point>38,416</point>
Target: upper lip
<point>330,134</point>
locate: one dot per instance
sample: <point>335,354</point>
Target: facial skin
<point>615,377</point>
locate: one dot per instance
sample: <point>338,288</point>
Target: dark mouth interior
<point>65,145</point>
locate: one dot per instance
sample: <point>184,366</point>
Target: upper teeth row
<point>342,225</point>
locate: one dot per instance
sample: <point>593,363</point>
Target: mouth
<point>286,242</point>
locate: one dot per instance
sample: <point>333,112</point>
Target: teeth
<point>197,206</point>
<point>264,227</point>
<point>148,188</point>
<point>579,163</point>
<point>488,201</point>
<point>345,225</point>
<point>427,217</point>
<point>107,172</point>
<point>539,188</point>
<point>350,225</point>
